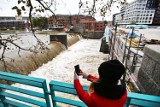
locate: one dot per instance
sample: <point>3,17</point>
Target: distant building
<point>62,20</point>
<point>140,12</point>
<point>117,18</point>
<point>110,23</point>
<point>13,22</point>
<point>156,20</point>
<point>86,21</point>
<point>99,26</point>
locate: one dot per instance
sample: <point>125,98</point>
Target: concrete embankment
<point>149,73</point>
<point>30,61</point>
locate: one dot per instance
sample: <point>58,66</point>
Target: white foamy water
<point>61,68</point>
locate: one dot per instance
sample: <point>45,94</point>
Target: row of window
<point>142,15</point>
<point>135,5</point>
<point>1,27</point>
<point>144,22</point>
<point>140,11</point>
<point>137,18</point>
<point>4,18</point>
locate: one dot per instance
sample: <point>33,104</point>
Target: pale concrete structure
<point>149,73</point>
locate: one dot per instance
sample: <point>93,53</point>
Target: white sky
<point>63,7</point>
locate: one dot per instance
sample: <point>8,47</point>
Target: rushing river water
<point>61,68</point>
<point>84,52</point>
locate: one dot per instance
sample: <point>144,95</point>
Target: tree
<point>41,22</point>
<point>105,22</point>
<point>99,6</point>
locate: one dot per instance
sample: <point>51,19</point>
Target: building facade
<point>99,26</point>
<point>156,20</point>
<point>17,22</point>
<point>87,22</point>
<point>140,12</point>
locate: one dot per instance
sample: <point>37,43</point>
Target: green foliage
<point>40,22</point>
<point>28,4</point>
<point>105,22</point>
<point>3,29</point>
<point>23,8</point>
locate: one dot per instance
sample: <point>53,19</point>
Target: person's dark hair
<point>111,71</point>
<point>109,74</point>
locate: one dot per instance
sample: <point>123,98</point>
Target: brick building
<point>88,22</point>
<point>99,26</point>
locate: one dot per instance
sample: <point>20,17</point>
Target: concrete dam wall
<point>31,61</point>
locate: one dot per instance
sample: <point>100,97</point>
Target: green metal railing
<point>34,91</point>
<point>23,97</point>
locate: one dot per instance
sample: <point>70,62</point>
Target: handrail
<point>137,99</point>
<point>17,96</point>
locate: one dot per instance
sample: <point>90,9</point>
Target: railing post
<point>113,42</point>
<point>3,98</point>
<point>128,102</point>
<point>52,95</point>
<point>46,94</point>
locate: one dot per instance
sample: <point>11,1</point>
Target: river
<point>61,68</point>
<point>84,52</point>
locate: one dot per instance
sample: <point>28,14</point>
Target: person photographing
<point>105,91</point>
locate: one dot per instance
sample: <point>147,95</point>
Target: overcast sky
<point>62,7</point>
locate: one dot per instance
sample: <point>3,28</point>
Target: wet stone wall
<point>93,35</point>
<point>149,73</point>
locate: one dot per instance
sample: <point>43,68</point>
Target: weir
<point>30,61</point>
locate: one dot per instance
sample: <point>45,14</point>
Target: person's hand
<point>75,76</point>
<point>81,73</point>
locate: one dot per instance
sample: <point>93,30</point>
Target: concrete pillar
<point>59,38</point>
<point>149,73</point>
